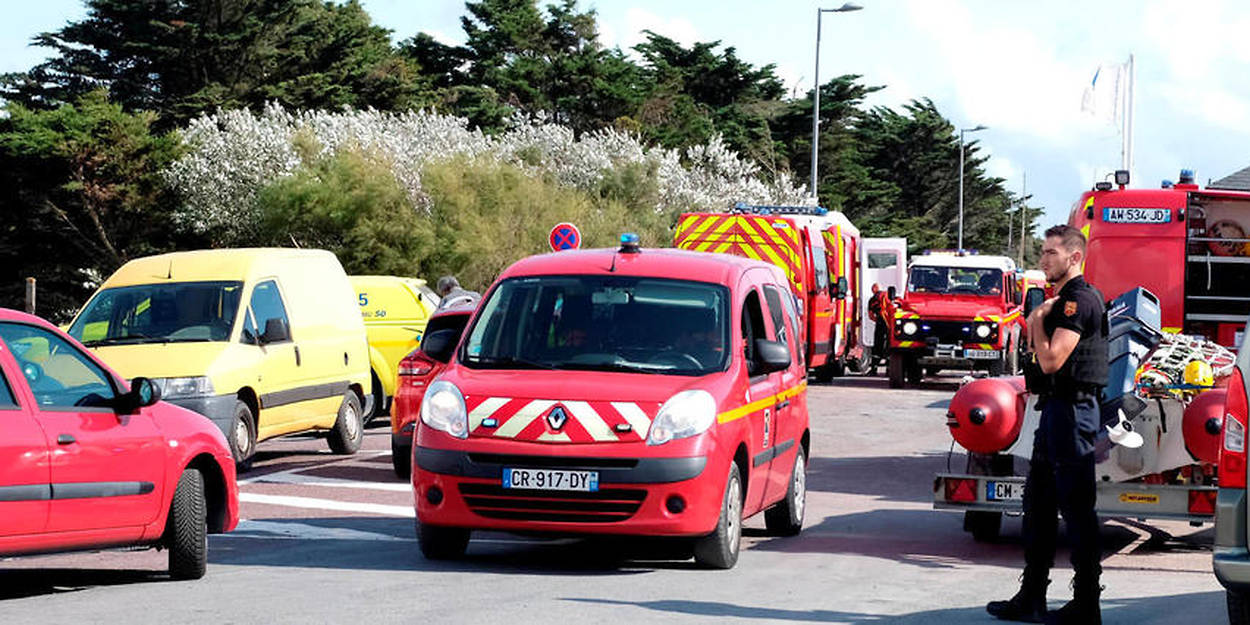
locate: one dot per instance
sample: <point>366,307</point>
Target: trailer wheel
<point>915,373</point>
<point>1238,607</point>
<point>984,526</point>
<point>895,369</point>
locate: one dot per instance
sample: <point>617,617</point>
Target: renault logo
<point>556,418</point>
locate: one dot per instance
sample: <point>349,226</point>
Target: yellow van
<point>264,342</point>
<point>395,311</point>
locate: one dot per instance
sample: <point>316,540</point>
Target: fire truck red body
<point>1189,246</point>
<point>819,250</point>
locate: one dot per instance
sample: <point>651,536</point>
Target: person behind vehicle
<point>454,295</point>
<point>1068,368</point>
<point>990,283</point>
<point>876,312</point>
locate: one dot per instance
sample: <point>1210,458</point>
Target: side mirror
<point>1017,298</point>
<point>1033,299</point>
<point>143,393</point>
<point>440,345</point>
<point>275,331</point>
<point>771,356</point>
<point>843,288</point>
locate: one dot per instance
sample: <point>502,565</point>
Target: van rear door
<point>1217,265</point>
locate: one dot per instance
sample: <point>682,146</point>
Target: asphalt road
<point>327,539</point>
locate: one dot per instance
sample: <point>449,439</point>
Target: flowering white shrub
<point>234,154</point>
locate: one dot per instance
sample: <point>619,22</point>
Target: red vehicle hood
<point>598,407</point>
<point>948,307</point>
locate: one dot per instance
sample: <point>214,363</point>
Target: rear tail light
<point>1202,502</point>
<point>1233,455</point>
<point>415,363</point>
<point>961,490</point>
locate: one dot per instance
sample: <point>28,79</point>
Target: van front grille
<point>608,505</point>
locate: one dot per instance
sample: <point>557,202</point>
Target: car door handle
<point>297,355</point>
<point>783,404</point>
<point>66,439</point>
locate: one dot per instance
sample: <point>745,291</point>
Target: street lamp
<point>977,128</point>
<point>845,8</point>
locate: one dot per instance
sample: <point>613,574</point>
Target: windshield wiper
<point>116,339</point>
<point>618,366</point>
<point>508,361</point>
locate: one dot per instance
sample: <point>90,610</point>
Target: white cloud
<point>637,20</point>
<point>444,38</point>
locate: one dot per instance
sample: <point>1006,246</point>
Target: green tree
<point>182,58</point>
<point>349,203</point>
<point>84,196</point>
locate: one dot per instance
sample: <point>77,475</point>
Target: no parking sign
<point>565,236</point>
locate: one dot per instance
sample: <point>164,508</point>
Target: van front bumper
<point>219,409</point>
<point>633,496</point>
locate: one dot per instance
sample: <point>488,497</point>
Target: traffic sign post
<point>565,236</point>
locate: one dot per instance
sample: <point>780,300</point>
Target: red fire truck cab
<point>819,251</point>
<point>959,311</point>
<point>1189,246</point>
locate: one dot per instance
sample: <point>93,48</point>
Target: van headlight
<point>984,330</point>
<point>442,408</point>
<point>183,388</point>
<point>685,414</point>
<point>910,327</point>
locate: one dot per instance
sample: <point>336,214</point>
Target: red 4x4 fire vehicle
<point>644,392</point>
<point>959,311</point>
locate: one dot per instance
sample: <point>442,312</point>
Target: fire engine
<point>1188,245</point>
<point>819,250</point>
<point>960,310</point>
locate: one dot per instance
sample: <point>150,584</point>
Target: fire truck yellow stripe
<point>523,418</point>
<point>484,411</point>
<point>759,404</point>
<point>591,421</point>
<point>634,415</point>
<point>764,246</point>
<point>726,223</point>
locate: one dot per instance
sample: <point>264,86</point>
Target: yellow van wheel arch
<point>248,396</point>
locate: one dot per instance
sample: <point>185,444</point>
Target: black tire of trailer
<point>1238,607</point>
<point>984,525</point>
<point>895,369</point>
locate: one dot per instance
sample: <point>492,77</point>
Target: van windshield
<point>601,323</point>
<point>956,280</point>
<point>159,313</point>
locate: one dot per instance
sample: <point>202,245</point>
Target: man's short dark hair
<point>1071,238</point>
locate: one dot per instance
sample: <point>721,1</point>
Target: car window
<point>752,328</point>
<point>159,313</point>
<point>446,322</point>
<point>820,268</point>
<point>267,304</point>
<point>60,376</point>
<point>775,308</point>
<point>882,260</point>
<point>7,400</point>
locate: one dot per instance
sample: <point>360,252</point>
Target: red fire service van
<point>960,311</point>
<point>625,392</point>
<point>819,251</point>
<point>1187,245</point>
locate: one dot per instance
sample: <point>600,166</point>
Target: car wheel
<point>442,543</point>
<point>242,437</point>
<point>186,528</point>
<point>1238,607</point>
<point>786,518</point>
<point>983,525</point>
<point>401,460</point>
<point>719,550</point>
<point>915,373</point>
<point>895,369</point>
<point>349,429</point>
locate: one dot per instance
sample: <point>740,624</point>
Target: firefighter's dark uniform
<point>880,336</point>
<point>1061,475</point>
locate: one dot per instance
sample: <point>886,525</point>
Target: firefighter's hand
<point>1044,309</point>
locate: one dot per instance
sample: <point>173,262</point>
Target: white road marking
<point>330,482</point>
<point>314,503</point>
<point>306,531</point>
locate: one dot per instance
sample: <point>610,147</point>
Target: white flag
<point>1103,97</point>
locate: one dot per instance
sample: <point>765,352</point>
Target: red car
<point>639,392</point>
<point>89,462</point>
<point>416,371</point>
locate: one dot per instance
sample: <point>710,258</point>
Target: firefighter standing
<point>1068,334</point>
<point>453,294</point>
<point>876,312</point>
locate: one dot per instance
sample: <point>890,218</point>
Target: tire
<point>786,518</point>
<point>242,437</point>
<point>915,373</point>
<point>984,525</point>
<point>931,371</point>
<point>442,543</point>
<point>823,374</point>
<point>997,367</point>
<point>895,370</point>
<point>349,429</point>
<point>719,550</point>
<point>186,528</point>
<point>1238,607</point>
<point>401,460</point>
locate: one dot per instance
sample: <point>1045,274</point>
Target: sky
<point>1019,68</point>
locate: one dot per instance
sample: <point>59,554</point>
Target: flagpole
<point>1128,141</point>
